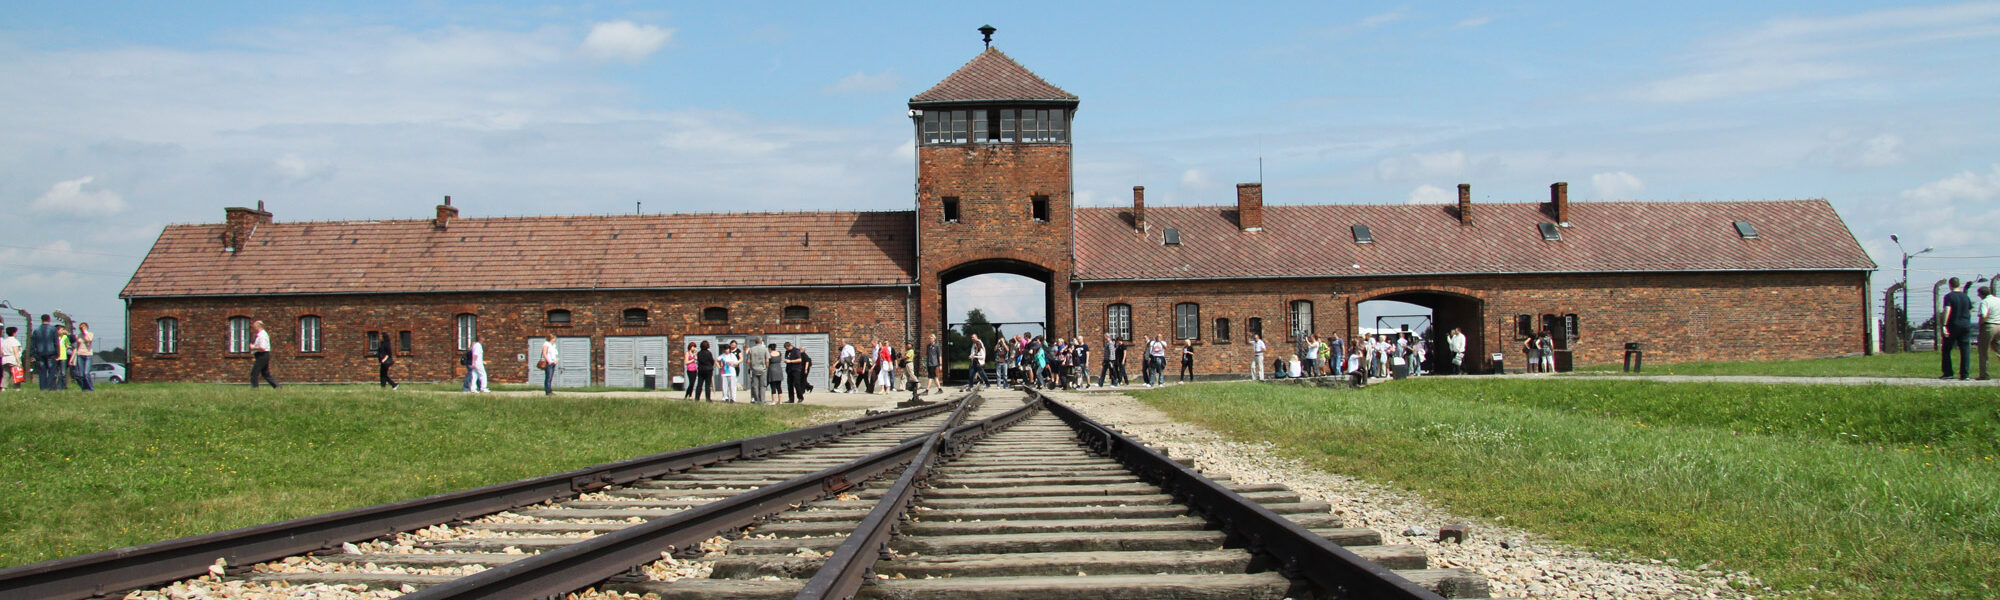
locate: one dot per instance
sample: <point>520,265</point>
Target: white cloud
<point>1378,20</point>
<point>1849,152</point>
<point>861,83</point>
<point>1473,23</point>
<point>1956,214</point>
<point>1431,194</point>
<point>69,197</point>
<point>1789,53</point>
<point>625,41</point>
<point>1617,185</point>
<point>1195,178</point>
<point>1431,165</point>
<point>294,169</point>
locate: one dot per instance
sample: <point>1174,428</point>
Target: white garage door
<point>626,357</point>
<point>572,365</point>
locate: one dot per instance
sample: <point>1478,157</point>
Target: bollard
<point>1635,359</point>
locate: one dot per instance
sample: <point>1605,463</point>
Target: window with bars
<point>168,332</point>
<point>309,333</point>
<point>1302,319</point>
<point>239,335</point>
<point>1187,321</point>
<point>1222,331</point>
<point>1254,327</point>
<point>468,330</point>
<point>1118,321</point>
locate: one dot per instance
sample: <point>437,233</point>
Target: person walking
<point>689,360</point>
<point>82,354</point>
<point>1957,320</point>
<point>756,361</point>
<point>1257,349</point>
<point>976,365</point>
<point>729,362</point>
<point>704,373</point>
<point>933,362</point>
<point>551,358</point>
<point>475,368</point>
<point>260,351</point>
<point>10,357</point>
<point>385,357</point>
<point>795,374</point>
<point>42,348</point>
<point>1003,357</point>
<point>1187,360</point>
<point>1989,327</point>
<point>1456,344</point>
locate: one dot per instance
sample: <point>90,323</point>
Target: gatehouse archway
<point>991,298</point>
<point>1440,312</point>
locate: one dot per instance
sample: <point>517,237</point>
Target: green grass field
<point>139,463</point>
<point>1828,491</point>
<point>1904,364</point>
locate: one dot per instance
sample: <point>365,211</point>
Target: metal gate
<point>626,357</point>
<point>815,345</point>
<point>572,366</point>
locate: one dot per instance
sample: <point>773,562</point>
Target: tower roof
<point>992,76</point>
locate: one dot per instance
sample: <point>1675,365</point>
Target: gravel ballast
<point>1516,563</point>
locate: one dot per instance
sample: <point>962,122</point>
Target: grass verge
<point>146,462</point>
<point>1902,364</point>
<point>1828,491</point>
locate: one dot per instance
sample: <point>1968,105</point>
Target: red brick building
<point>1689,281</point>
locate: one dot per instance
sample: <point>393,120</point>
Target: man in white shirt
<point>475,367</point>
<point>260,349</point>
<point>1257,348</point>
<point>1456,342</point>
<point>1989,328</point>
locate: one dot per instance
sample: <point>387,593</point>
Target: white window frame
<point>1118,325</point>
<point>309,328</point>
<point>1187,325</point>
<point>1301,321</point>
<point>468,330</point>
<point>168,332</point>
<point>239,335</point>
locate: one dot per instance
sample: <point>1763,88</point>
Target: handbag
<point>542,364</point>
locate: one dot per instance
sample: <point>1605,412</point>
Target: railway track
<point>1009,495</point>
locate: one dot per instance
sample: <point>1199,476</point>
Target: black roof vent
<point>1362,235</point>
<point>1745,229</point>
<point>1172,237</point>
<point>1550,233</point>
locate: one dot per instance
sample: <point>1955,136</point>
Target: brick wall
<point>995,185</point>
<point>506,322</point>
<point>1678,317</point>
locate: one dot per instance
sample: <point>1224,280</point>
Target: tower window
<point>951,209</point>
<point>1008,126</point>
<point>1041,209</point>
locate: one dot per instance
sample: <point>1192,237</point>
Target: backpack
<point>467,359</point>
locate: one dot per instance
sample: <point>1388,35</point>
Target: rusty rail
<point>112,571</point>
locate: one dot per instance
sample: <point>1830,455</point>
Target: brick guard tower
<point>993,185</point>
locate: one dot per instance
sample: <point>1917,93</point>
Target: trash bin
<point>1499,363</point>
<point>680,382</point>
<point>1399,368</point>
<point>652,379</point>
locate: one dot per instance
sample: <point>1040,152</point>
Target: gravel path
<point>1517,564</point>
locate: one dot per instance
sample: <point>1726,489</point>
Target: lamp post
<point>1905,324</point>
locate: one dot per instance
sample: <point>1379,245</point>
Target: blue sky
<point>120,118</point>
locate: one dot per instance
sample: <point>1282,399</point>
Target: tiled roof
<point>992,76</point>
<point>1427,239</point>
<point>535,253</point>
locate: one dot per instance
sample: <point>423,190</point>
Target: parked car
<point>107,373</point>
<point>1923,340</point>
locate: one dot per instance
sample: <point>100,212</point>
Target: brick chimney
<point>1559,202</point>
<point>1139,207</point>
<point>1250,206</point>
<point>446,212</point>
<point>239,222</point>
<point>1465,204</point>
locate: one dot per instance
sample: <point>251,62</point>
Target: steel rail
<point>1299,553</point>
<point>117,570</point>
<point>853,561</point>
<point>590,561</point>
